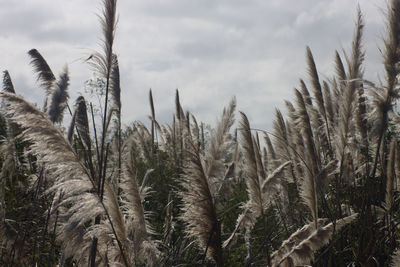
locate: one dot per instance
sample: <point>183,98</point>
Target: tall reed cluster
<point>320,189</point>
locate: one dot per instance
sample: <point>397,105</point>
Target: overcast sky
<point>210,50</point>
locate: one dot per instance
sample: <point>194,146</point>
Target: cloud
<point>209,50</point>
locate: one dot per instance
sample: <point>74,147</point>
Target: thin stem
<point>95,131</point>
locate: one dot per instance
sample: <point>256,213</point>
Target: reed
<point>320,189</point>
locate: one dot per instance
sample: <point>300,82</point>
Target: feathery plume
<point>199,211</point>
<point>68,174</point>
<point>8,86</point>
<point>81,121</point>
<point>219,143</point>
<point>383,99</point>
<point>356,72</point>
<point>44,74</point>
<point>272,159</point>
<point>305,92</point>
<point>195,130</point>
<point>201,183</point>
<point>280,128</point>
<point>329,105</point>
<point>340,72</point>
<point>103,62</point>
<point>59,98</point>
<point>293,240</point>
<point>291,110</point>
<point>392,44</point>
<point>10,161</point>
<point>316,86</point>
<point>178,108</point>
<point>321,115</point>
<point>272,180</point>
<point>71,128</point>
<point>295,157</point>
<point>361,118</point>
<point>253,186</point>
<point>303,253</point>
<point>308,187</point>
<point>357,54</point>
<point>260,166</point>
<point>115,88</point>
<point>9,154</point>
<point>118,223</point>
<point>348,98</point>
<point>309,195</point>
<point>109,23</point>
<point>257,186</point>
<point>283,143</point>
<point>137,225</point>
<point>142,138</point>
